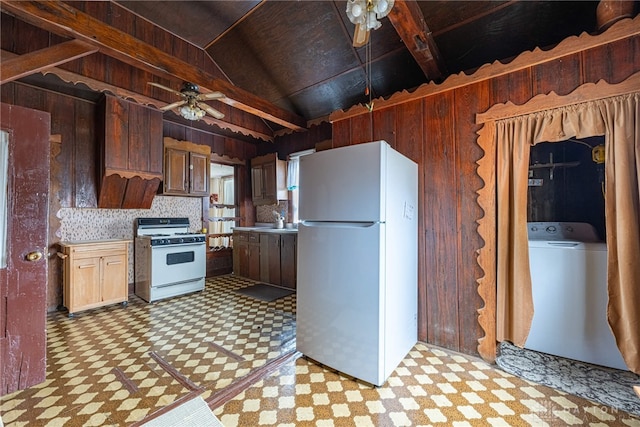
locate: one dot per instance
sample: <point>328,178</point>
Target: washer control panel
<point>576,231</point>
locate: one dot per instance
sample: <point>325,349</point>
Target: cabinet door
<point>274,259</point>
<point>240,254</point>
<point>199,174</point>
<point>288,260</point>
<point>256,184</point>
<point>114,279</point>
<point>243,259</point>
<point>176,180</point>
<point>85,283</point>
<point>254,261</point>
<point>264,258</point>
<point>269,182</point>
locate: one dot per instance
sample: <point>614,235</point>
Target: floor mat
<point>264,292</point>
<point>194,413</point>
<point>611,387</point>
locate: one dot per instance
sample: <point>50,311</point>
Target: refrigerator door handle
<point>340,224</point>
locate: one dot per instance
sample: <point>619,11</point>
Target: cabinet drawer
<point>92,250</point>
<point>240,237</point>
<point>254,238</point>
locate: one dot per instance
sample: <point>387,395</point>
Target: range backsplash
<point>99,224</point>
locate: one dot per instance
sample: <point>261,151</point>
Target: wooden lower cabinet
<point>219,262</point>
<point>246,254</point>
<point>267,257</point>
<point>270,258</point>
<point>288,260</point>
<point>95,274</point>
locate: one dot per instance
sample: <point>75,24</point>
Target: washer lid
<point>572,231</point>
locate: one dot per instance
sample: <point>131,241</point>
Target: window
<point>293,171</point>
<point>222,206</point>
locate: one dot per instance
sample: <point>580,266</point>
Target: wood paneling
<point>440,217</point>
<point>560,76</point>
<point>361,129</point>
<point>384,126</point>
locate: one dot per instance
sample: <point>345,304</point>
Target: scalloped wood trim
<point>620,30</point>
<point>186,146</point>
<point>99,86</point>
<point>487,253</point>
<point>486,170</point>
<point>586,93</point>
<point>217,158</point>
<point>129,174</point>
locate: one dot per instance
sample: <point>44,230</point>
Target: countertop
<point>92,242</point>
<point>267,229</point>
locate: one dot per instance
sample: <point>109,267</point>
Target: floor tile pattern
<point>117,366</point>
<point>430,387</point>
<point>114,365</point>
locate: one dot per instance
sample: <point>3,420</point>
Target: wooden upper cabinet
<point>200,167</point>
<point>268,179</point>
<point>187,168</point>
<point>130,140</point>
<point>176,168</point>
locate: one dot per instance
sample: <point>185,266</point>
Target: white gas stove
<point>169,259</point>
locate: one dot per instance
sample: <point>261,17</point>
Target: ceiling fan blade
<point>212,111</point>
<point>360,35</point>
<point>212,95</point>
<point>172,106</point>
<point>164,87</point>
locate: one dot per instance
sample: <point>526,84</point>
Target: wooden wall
<point>439,133</point>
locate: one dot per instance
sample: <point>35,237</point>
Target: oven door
<point>177,263</point>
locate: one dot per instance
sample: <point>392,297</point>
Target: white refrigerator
<point>357,259</point>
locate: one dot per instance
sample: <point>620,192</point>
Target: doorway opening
<point>566,183</point>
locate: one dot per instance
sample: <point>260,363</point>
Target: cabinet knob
<point>34,256</point>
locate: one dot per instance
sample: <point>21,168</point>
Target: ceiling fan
<point>191,106</point>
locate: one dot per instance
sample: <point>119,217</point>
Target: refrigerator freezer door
<point>344,184</point>
<point>338,297</point>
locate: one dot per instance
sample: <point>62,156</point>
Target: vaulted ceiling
<point>292,62</point>
<point>299,54</point>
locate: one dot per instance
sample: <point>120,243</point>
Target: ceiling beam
<point>62,19</point>
<point>406,17</point>
<point>32,62</point>
<point>100,86</point>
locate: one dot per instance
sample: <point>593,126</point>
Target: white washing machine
<point>569,284</point>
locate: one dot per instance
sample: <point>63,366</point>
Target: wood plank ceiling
<point>290,63</point>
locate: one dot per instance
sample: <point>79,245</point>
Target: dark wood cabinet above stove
<point>130,137</point>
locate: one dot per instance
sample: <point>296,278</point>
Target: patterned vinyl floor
<point>117,366</point>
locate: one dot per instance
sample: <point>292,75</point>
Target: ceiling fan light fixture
<point>368,12</point>
<point>191,112</point>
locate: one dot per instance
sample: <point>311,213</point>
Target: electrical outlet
<point>536,182</point>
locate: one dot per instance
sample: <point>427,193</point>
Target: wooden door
<point>23,277</point>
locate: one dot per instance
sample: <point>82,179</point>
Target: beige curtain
<point>618,119</point>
